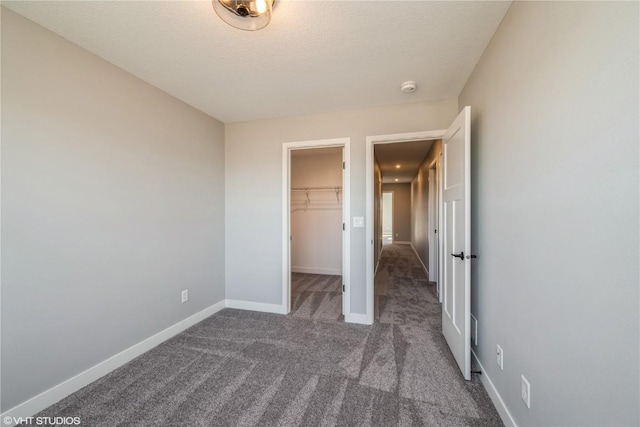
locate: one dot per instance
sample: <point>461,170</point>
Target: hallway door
<point>456,258</point>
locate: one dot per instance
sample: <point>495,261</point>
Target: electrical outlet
<point>185,295</point>
<point>525,391</point>
<point>474,331</point>
<point>500,357</point>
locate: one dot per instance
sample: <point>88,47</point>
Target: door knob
<point>460,255</point>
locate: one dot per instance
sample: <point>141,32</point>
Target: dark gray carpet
<point>241,368</point>
<point>316,296</point>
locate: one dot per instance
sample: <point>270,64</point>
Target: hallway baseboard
<point>424,267</point>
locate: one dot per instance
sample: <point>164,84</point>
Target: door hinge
<point>343,165</point>
<point>343,226</point>
<point>343,287</point>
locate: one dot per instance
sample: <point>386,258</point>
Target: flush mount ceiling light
<point>248,15</point>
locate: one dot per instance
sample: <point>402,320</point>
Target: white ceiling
<point>315,56</point>
<point>409,155</point>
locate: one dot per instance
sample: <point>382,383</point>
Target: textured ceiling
<point>409,155</point>
<point>315,56</point>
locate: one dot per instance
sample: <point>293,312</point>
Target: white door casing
<point>369,197</point>
<point>346,212</point>
<point>456,236</point>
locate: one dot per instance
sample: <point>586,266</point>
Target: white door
<point>456,237</point>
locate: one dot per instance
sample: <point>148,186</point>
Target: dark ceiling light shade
<point>248,15</point>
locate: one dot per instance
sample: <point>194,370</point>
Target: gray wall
<point>401,210</point>
<point>112,203</point>
<point>554,104</point>
<point>253,196</point>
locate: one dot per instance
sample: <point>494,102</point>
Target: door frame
<point>371,141</point>
<point>287,147</point>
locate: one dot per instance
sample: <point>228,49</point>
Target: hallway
<point>404,352</point>
<point>402,292</point>
<point>408,312</point>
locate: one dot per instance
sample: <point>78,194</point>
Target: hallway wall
<point>377,211</point>
<point>420,204</point>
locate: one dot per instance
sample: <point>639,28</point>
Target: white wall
<point>253,199</point>
<point>112,203</point>
<point>555,199</point>
<point>316,226</point>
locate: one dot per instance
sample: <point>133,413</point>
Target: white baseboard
<point>503,411</point>
<point>426,270</point>
<point>362,319</point>
<point>312,270</point>
<point>75,383</point>
<point>255,306</point>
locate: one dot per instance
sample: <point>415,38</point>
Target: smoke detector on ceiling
<point>408,87</point>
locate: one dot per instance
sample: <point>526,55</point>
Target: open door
<point>456,230</point>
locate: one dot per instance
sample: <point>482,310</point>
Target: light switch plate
<point>358,221</point>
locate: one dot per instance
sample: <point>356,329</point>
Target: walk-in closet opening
<point>317,226</point>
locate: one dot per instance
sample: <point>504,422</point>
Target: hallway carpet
<point>242,368</point>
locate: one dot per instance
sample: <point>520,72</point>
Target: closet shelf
<point>335,189</point>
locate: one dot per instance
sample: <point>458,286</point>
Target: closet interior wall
<point>316,211</point>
